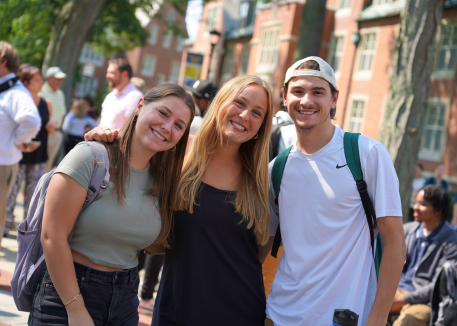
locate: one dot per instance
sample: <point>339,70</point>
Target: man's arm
<point>393,258</point>
<point>25,114</point>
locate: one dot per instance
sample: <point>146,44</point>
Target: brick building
<point>156,62</point>
<point>358,41</point>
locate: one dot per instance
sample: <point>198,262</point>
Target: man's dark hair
<point>420,166</point>
<point>89,100</point>
<point>122,65</point>
<point>439,198</point>
<point>314,65</point>
<point>9,53</point>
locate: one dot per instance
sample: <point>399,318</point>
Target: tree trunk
<point>72,27</point>
<point>311,28</point>
<point>412,64</point>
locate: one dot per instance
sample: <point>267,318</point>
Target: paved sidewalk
<point>9,315</point>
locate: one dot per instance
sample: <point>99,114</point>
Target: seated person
<point>430,242</point>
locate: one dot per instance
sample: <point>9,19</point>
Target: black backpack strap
<point>8,84</point>
<point>351,152</point>
<point>276,177</point>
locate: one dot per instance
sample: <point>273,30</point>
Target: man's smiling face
<point>308,101</point>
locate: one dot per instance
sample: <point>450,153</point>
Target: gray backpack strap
<point>100,177</point>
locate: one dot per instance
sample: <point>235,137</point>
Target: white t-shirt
<point>118,106</point>
<point>327,262</point>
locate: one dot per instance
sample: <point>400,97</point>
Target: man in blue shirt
<point>430,242</point>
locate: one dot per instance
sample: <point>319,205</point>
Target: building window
<point>171,16</point>
<point>228,62</point>
<point>337,53</point>
<point>356,118</point>
<point>269,46</point>
<point>345,4</point>
<point>153,35</point>
<point>174,72</point>
<point>90,55</point>
<point>367,51</point>
<point>179,43</point>
<point>87,86</point>
<point>148,66</point>
<point>160,79</point>
<point>245,58</point>
<point>434,129</point>
<point>446,56</point>
<point>211,18</point>
<point>167,39</point>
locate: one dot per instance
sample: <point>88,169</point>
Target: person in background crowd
<point>282,137</point>
<point>89,107</point>
<point>32,164</point>
<point>418,183</point>
<point>438,178</point>
<point>140,84</point>
<point>19,123</point>
<point>152,264</point>
<point>93,280</point>
<point>76,124</point>
<point>203,92</point>
<point>431,242</point>
<point>454,213</point>
<point>51,91</point>
<point>121,102</point>
<point>328,261</point>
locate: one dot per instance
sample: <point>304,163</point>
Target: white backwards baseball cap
<point>55,72</point>
<point>325,72</point>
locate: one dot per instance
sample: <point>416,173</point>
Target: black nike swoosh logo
<point>339,167</point>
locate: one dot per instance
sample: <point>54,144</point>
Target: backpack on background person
<point>30,262</point>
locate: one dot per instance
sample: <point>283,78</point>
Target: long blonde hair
<point>252,195</point>
<point>77,109</point>
<point>165,167</point>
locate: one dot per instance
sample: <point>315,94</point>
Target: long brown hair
<point>165,167</point>
<point>252,195</point>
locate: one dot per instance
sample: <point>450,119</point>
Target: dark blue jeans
<point>110,297</point>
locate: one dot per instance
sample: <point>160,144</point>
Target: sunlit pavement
<point>9,315</point>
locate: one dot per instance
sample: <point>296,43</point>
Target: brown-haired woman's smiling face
<point>162,123</point>
<point>244,116</point>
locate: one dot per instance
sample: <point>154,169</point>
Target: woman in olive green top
<point>94,279</point>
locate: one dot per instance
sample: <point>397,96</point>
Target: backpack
<point>8,84</point>
<point>444,297</point>
<point>30,261</point>
<point>351,152</point>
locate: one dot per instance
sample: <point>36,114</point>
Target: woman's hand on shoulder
<point>102,134</point>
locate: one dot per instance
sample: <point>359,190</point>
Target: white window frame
<point>228,61</point>
<point>383,2</point>
<point>87,86</point>
<point>167,39</point>
<point>148,65</point>
<point>212,14</point>
<point>175,69</point>
<point>268,53</point>
<point>90,56</point>
<point>161,78</point>
<point>332,53</point>
<point>179,44</point>
<point>431,154</point>
<point>366,74</point>
<point>171,16</point>
<point>154,33</point>
<point>354,98</point>
<point>245,54</point>
<point>445,73</point>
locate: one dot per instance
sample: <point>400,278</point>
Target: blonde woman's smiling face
<point>244,116</point>
<point>162,123</point>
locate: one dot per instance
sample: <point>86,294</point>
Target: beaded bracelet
<point>73,299</point>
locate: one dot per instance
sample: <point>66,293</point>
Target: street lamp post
<point>214,39</point>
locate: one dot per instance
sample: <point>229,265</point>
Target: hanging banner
<point>193,68</point>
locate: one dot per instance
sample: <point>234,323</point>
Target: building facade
<point>358,40</point>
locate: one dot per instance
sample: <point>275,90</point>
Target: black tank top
<point>40,155</point>
<point>212,274</point>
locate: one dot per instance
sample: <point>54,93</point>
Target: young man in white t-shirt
<point>327,262</point>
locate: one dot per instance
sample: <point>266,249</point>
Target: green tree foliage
<point>27,25</point>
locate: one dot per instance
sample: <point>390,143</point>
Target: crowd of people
<point>206,182</point>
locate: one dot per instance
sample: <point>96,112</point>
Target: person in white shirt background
<point>119,105</point>
<point>19,123</point>
<point>203,92</point>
